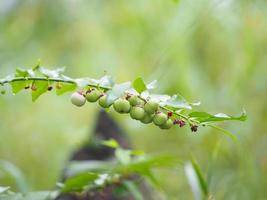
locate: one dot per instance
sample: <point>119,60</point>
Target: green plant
<point>161,108</point>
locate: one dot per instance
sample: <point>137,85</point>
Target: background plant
<point>183,45</point>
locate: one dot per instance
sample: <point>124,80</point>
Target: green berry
<point>137,113</point>
<point>151,106</point>
<point>135,100</point>
<point>92,96</point>
<point>78,99</point>
<point>160,118</point>
<point>147,119</point>
<point>122,106</point>
<point>167,125</point>
<point>103,102</point>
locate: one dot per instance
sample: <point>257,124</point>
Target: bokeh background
<point>214,51</point>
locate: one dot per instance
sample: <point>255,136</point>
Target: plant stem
<point>17,79</point>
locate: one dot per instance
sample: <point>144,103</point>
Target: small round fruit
<point>122,106</point>
<point>151,106</point>
<point>134,100</point>
<point>77,99</point>
<point>137,113</point>
<point>147,119</point>
<point>93,95</point>
<point>103,102</point>
<point>160,118</point>
<point>167,125</point>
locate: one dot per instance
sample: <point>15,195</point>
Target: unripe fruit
<point>103,102</point>
<point>134,100</point>
<point>137,113</point>
<point>122,106</point>
<point>160,118</point>
<point>147,118</point>
<point>78,99</point>
<point>151,106</point>
<point>93,95</point>
<point>167,125</point>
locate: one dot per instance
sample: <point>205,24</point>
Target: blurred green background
<point>214,51</point>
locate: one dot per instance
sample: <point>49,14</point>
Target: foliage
<point>127,170</point>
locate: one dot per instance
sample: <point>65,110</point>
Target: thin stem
<point>91,85</point>
<point>49,80</point>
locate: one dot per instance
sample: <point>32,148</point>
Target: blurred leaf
<point>16,174</point>
<point>117,91</point>
<point>137,153</point>
<point>133,189</point>
<point>152,85</point>
<point>4,189</point>
<point>66,87</point>
<point>82,82</point>
<point>206,117</point>
<point>200,176</point>
<point>111,143</point>
<point>41,88</point>
<point>77,183</point>
<point>76,167</point>
<point>44,195</point>
<point>123,156</point>
<point>177,101</point>
<point>193,180</point>
<point>55,73</point>
<point>228,133</point>
<point>105,81</point>
<point>17,86</point>
<point>139,85</point>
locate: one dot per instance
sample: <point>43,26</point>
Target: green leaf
<point>195,179</point>
<point>41,88</point>
<point>133,189</point>
<point>17,86</point>
<point>77,183</point>
<point>228,133</point>
<point>139,85</point>
<point>200,176</point>
<point>177,101</point>
<point>16,174</point>
<point>206,117</point>
<point>66,87</point>
<point>117,91</point>
<point>111,143</point>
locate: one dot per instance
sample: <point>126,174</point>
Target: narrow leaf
<point>111,143</point>
<point>200,176</point>
<point>139,85</point>
<point>77,183</point>
<point>206,117</point>
<point>226,132</point>
<point>133,189</point>
<point>177,101</point>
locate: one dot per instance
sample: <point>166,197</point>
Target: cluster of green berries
<point>146,111</point>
